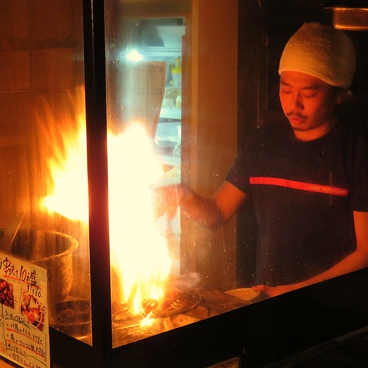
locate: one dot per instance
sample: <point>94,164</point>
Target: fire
<point>138,251</point>
<point>69,196</point>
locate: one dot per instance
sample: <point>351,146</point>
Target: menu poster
<point>24,330</point>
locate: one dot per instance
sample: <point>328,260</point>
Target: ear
<point>341,95</point>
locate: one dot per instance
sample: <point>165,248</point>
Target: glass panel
<point>172,84</point>
<point>43,153</point>
<point>166,126</point>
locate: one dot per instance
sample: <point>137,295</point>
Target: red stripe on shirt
<point>310,187</point>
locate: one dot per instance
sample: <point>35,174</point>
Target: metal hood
<point>349,15</point>
<point>350,19</point>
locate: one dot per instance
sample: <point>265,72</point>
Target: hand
<point>274,290</point>
<point>167,199</point>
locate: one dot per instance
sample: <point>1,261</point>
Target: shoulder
<point>355,135</point>
<point>353,126</point>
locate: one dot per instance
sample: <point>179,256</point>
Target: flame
<point>69,195</point>
<point>64,145</point>
<point>138,251</point>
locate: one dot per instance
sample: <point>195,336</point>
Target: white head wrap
<point>321,51</point>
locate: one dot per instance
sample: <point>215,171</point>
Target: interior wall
<point>38,77</point>
<point>211,129</point>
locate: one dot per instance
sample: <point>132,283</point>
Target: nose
<point>296,102</point>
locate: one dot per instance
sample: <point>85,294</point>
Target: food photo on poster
<point>23,312</point>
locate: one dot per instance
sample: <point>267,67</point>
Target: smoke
<point>187,281</point>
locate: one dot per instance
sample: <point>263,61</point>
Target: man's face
<point>309,104</point>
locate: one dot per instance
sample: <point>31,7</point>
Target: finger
<point>157,203</point>
<point>259,287</point>
<point>171,211</point>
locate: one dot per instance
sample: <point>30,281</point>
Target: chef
<point>307,179</point>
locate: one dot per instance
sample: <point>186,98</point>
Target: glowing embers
<point>155,318</point>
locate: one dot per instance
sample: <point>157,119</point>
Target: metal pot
<point>53,251</point>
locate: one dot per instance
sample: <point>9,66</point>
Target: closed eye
<point>309,94</point>
<point>285,90</point>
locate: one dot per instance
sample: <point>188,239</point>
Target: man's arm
<point>211,213</point>
<point>355,261</point>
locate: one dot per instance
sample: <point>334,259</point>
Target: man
<point>308,180</point>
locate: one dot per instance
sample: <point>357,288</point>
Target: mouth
<point>295,119</point>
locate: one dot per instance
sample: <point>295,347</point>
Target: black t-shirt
<point>304,195</point>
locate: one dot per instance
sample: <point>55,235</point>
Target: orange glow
<point>138,251</point>
<point>69,196</point>
<point>63,145</point>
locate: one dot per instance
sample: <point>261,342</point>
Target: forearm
<point>203,211</point>
<point>355,261</point>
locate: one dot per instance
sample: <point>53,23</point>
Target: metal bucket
<point>53,251</point>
